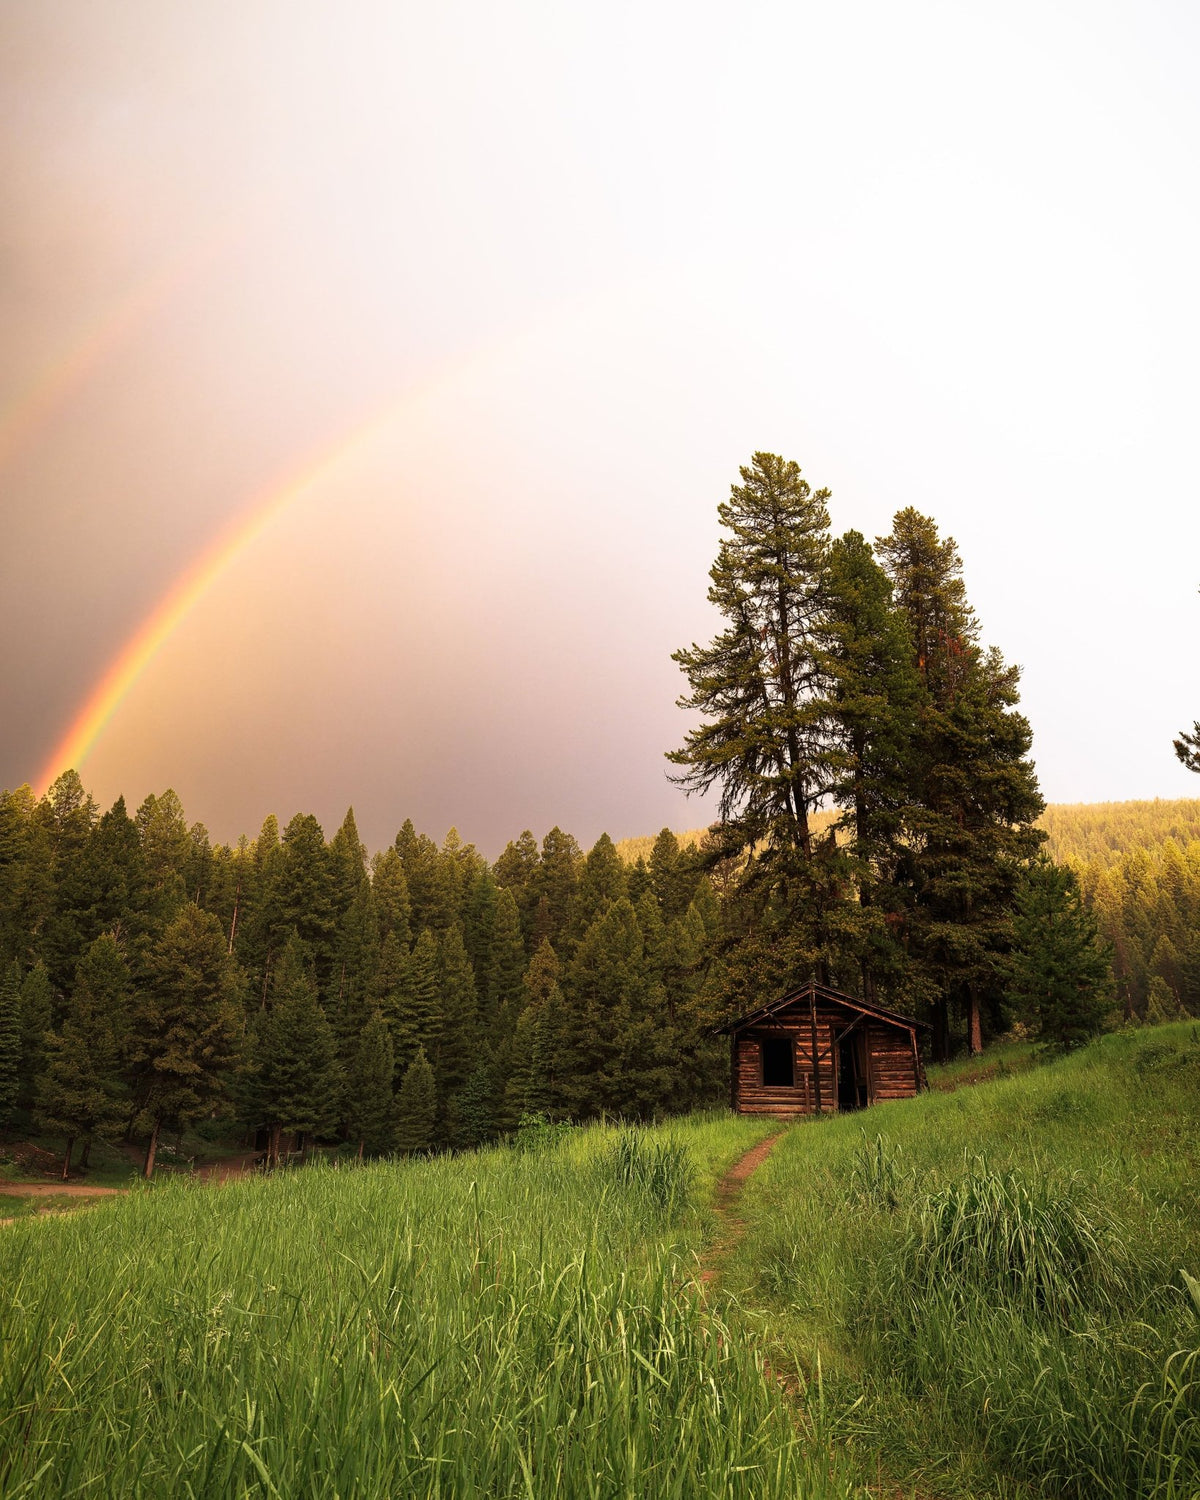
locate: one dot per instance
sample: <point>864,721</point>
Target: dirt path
<point>731,1225</point>
<point>57,1190</point>
<point>228,1167</point>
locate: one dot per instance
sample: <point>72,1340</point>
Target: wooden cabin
<point>863,1054</point>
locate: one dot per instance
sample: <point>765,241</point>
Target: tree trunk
<point>360,1150</point>
<point>151,1150</point>
<point>941,1031</point>
<point>975,1032</point>
<point>67,1157</point>
<point>273,1146</point>
<point>87,1151</point>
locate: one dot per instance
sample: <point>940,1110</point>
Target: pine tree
<point>1187,747</point>
<point>416,1106</point>
<point>533,1083</point>
<point>26,890</point>
<point>416,1020</point>
<point>516,871</point>
<point>10,1041</point>
<point>673,876</point>
<point>555,884</point>
<point>759,685</point>
<point>298,1084</point>
<point>478,925</point>
<point>347,866</point>
<point>973,789</point>
<point>37,1018</point>
<point>390,889</point>
<point>617,1041</point>
<point>601,882</point>
<point>431,880</point>
<point>354,983</point>
<point>875,693</point>
<point>67,816</point>
<point>185,1025</point>
<point>477,1107</point>
<point>82,1091</point>
<point>460,1038</point>
<point>166,850</point>
<point>305,891</point>
<point>1161,1004</point>
<point>371,1115</point>
<point>1060,976</point>
<point>506,974</point>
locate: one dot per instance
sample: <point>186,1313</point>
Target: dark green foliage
<point>477,1107</point>
<point>617,1047</point>
<point>26,880</point>
<point>535,1069</point>
<point>82,1091</point>
<point>516,871</point>
<point>370,1102</point>
<point>415,1016</point>
<point>167,853</point>
<point>304,890</point>
<point>972,788</point>
<point>416,1106</point>
<point>505,970</point>
<point>355,983</point>
<point>601,882</point>
<point>458,1045</point>
<point>347,865</point>
<point>185,1022</point>
<point>1060,970</point>
<point>432,881</point>
<point>1187,747</point>
<point>760,685</point>
<point>555,883</point>
<point>10,1041</point>
<point>37,1017</point>
<point>297,1086</point>
<point>390,889</point>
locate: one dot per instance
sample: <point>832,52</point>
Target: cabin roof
<point>820,992</point>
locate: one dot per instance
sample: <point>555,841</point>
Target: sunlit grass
<point>992,1279</point>
<point>502,1324</point>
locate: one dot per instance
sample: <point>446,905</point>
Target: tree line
<point>422,998</point>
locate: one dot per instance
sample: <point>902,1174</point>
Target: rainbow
<point>190,587</point>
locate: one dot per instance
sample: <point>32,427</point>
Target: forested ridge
<point>877,830</point>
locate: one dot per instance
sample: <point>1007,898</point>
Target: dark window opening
<point>777,1062</point>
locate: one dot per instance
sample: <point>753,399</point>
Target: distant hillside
<point>1104,832</point>
<point>1080,832</point>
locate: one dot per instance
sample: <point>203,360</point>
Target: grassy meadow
<point>995,1282</point>
<point>984,1292</point>
<point>508,1323</point>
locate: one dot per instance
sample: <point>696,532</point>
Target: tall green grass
<point>997,1281</point>
<point>512,1323</point>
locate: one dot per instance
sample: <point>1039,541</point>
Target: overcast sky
<point>588,257</point>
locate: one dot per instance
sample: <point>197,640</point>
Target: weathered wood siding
<point>892,1062</point>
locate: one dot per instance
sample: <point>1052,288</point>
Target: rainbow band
<point>187,591</point>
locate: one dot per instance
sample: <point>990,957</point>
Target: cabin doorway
<point>852,1083</point>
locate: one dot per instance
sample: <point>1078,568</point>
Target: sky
<point>370,375</point>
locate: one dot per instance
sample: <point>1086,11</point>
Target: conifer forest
<point>880,828</point>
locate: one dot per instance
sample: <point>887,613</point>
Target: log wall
<point>893,1069</point>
